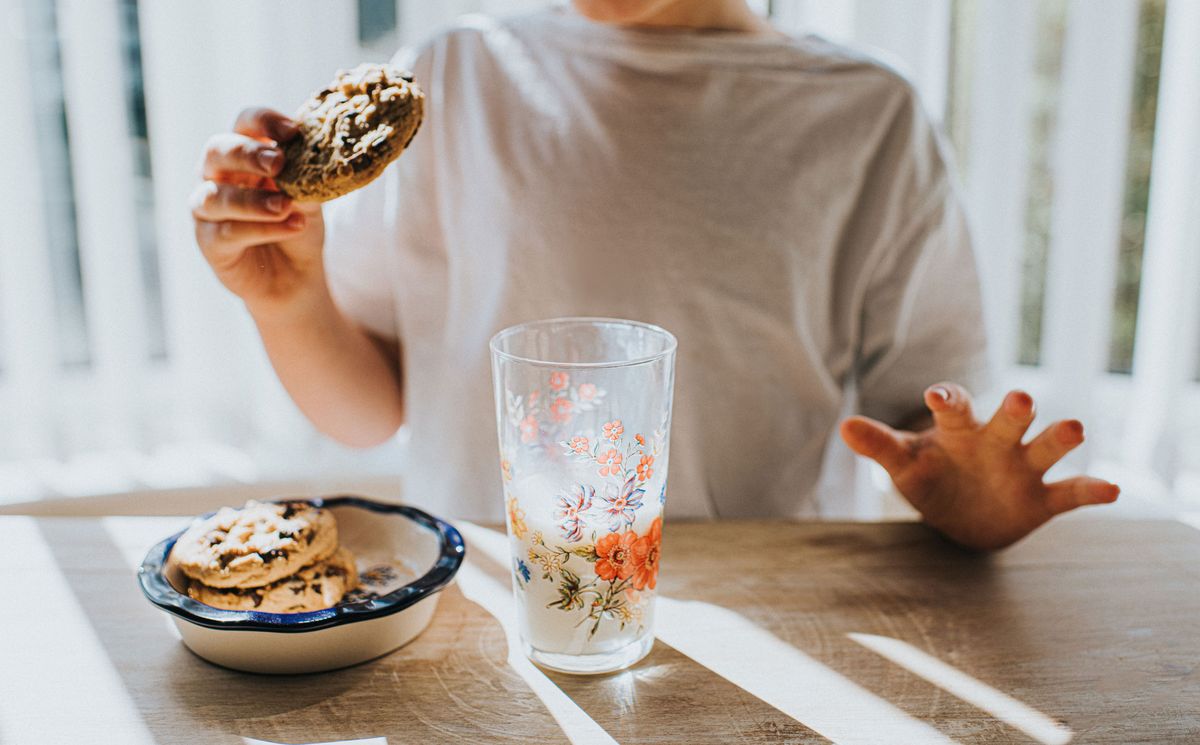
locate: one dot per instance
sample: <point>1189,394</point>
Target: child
<point>780,204</point>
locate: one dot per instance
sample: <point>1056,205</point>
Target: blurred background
<point>124,366</point>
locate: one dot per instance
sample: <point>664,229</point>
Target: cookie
<point>314,587</point>
<point>259,544</point>
<point>350,132</point>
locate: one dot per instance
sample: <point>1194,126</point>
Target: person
<point>781,204</point>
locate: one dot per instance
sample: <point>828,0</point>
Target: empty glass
<point>583,409</point>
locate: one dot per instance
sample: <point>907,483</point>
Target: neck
<point>701,15</point>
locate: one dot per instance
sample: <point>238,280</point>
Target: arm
<point>978,483</point>
<point>268,251</point>
<point>346,381</point>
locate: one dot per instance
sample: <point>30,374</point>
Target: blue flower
<point>522,570</point>
<point>621,505</point>
<point>662,495</point>
<point>570,510</point>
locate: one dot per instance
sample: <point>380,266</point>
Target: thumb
<point>877,441</point>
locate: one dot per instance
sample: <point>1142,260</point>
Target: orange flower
<point>610,463</point>
<point>580,445</point>
<point>529,429</point>
<point>644,470</point>
<point>640,440</point>
<point>587,391</point>
<point>561,409</point>
<point>506,469</point>
<point>616,559</point>
<point>614,429</point>
<point>559,381</point>
<point>646,551</point>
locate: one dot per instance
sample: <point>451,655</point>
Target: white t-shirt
<point>782,205</point>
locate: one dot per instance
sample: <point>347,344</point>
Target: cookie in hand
<point>350,132</point>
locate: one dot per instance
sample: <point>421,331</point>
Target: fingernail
<point>296,221</point>
<point>275,203</point>
<point>941,393</point>
<point>268,159</point>
<point>1073,429</point>
<point>288,127</point>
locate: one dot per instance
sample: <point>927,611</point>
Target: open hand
<point>978,483</point>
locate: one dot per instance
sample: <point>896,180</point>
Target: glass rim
<point>669,349</point>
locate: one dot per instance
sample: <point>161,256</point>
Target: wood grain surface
<point>1092,625</point>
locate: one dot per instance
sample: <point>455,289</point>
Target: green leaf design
<point>587,553</point>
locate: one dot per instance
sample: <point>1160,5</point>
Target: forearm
<point>334,371</point>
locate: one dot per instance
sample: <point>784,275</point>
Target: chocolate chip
<point>317,588</point>
<point>272,555</point>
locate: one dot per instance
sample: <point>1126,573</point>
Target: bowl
<point>404,556</point>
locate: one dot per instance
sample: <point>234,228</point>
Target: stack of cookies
<point>274,557</point>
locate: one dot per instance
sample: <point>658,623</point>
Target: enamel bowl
<point>404,556</point>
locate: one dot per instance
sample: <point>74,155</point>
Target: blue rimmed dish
<point>405,556</point>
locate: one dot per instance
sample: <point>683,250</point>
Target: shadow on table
<point>877,639</point>
<point>667,697</point>
<point>451,684</point>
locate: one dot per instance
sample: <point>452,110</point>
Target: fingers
<point>228,155</point>
<point>215,202</point>
<point>265,123</point>
<point>1068,494</point>
<point>1053,443</point>
<point>951,406</point>
<point>1012,419</point>
<point>233,236</point>
<point>877,441</point>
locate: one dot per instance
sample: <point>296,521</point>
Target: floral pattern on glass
<point>538,413</point>
<point>625,565</point>
<point>521,572</point>
<point>571,510</point>
<point>600,567</point>
<point>516,518</point>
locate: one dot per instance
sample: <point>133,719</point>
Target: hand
<point>263,247</point>
<point>977,483</point>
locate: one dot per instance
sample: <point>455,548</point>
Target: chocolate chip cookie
<point>257,545</point>
<point>350,132</point>
<point>314,587</point>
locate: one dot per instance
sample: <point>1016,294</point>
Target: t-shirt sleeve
<point>365,230</point>
<point>922,318</point>
<point>358,264</point>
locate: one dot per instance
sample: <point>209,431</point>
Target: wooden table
<point>1089,631</point>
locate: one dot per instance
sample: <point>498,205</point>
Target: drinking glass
<point>583,409</point>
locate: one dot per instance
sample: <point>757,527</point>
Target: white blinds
<point>210,409</point>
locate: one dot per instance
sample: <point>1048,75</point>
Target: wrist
<point>302,305</point>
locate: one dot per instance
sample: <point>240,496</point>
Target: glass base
<point>592,664</point>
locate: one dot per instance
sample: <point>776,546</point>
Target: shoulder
<point>870,76</point>
<point>878,93</point>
